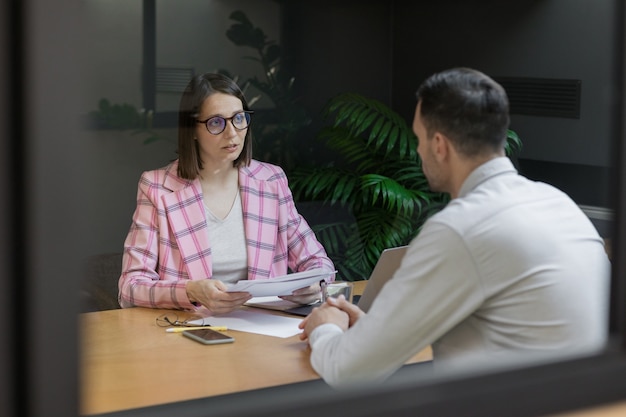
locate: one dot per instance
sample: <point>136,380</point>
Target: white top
<point>228,244</point>
<point>509,269</point>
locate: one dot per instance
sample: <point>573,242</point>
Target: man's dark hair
<point>467,106</point>
<point>198,89</point>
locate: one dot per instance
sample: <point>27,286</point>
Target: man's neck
<point>464,167</point>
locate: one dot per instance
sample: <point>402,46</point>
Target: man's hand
<point>353,311</point>
<point>212,294</point>
<point>338,311</point>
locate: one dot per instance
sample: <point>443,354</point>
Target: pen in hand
<point>182,329</point>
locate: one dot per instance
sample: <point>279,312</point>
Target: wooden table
<point>129,362</point>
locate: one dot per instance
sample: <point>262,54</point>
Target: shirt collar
<point>491,168</point>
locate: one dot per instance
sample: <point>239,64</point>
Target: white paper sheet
<point>283,285</point>
<point>271,303</point>
<point>260,322</point>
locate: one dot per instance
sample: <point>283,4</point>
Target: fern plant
<point>377,177</point>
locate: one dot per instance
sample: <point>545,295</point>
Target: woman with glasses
<point>214,215</point>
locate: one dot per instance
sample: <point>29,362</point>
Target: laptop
<point>387,264</point>
<point>385,267</point>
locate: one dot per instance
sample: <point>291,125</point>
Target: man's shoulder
<point>511,197</point>
<point>483,202</point>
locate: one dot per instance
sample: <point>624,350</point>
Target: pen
<point>182,329</point>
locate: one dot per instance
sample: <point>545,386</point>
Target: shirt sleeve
<point>427,296</point>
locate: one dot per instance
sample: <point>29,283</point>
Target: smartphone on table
<point>208,336</point>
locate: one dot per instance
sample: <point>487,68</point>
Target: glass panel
<point>342,55</point>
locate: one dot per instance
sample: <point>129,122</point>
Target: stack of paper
<point>283,285</point>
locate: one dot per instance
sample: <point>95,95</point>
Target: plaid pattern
<point>168,241</point>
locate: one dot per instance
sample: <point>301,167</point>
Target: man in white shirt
<point>508,270</point>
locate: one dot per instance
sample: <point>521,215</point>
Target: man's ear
<point>441,146</point>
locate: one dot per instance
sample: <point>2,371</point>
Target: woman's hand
<point>212,294</point>
<point>306,295</point>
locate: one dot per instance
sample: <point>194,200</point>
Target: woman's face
<point>225,147</point>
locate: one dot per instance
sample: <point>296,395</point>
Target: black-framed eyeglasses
<point>217,124</point>
<point>171,319</point>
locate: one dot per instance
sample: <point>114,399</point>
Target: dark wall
<point>338,46</point>
<point>385,49</point>
<point>530,39</point>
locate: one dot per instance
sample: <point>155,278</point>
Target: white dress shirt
<point>508,269</point>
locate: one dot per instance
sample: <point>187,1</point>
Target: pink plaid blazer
<point>168,242</point>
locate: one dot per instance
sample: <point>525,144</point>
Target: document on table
<point>283,285</point>
<point>260,322</point>
<point>271,303</point>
